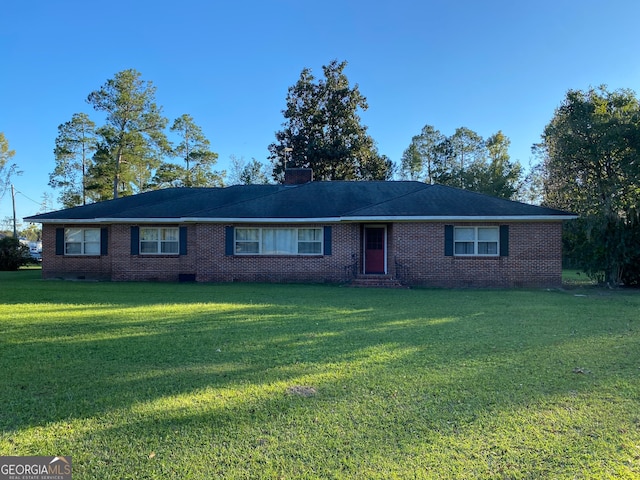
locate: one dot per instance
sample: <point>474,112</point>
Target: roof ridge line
<point>190,192</point>
<point>423,186</point>
<point>252,199</point>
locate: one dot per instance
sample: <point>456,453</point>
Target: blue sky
<point>486,65</point>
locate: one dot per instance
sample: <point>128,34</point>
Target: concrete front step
<point>376,281</point>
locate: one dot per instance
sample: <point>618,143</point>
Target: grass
<point>152,380</point>
<point>576,278</point>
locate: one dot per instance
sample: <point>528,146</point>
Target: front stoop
<point>376,281</point>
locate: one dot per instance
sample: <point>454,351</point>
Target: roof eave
<point>460,218</point>
<point>157,220</point>
<point>380,218</point>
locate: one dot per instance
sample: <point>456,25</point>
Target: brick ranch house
<point>304,231</point>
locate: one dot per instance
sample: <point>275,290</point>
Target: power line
<point>28,198</point>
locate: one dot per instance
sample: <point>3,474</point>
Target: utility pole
<point>13,201</point>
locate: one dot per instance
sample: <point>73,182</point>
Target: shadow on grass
<point>212,362</point>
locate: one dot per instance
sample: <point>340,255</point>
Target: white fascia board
<point>365,219</point>
<point>189,220</point>
<point>262,220</point>
<point>503,218</point>
<point>59,221</point>
<point>91,221</point>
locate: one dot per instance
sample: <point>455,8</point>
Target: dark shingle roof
<point>334,201</point>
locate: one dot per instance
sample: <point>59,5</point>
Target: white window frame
<point>476,241</point>
<point>263,231</point>
<point>160,241</point>
<point>87,247</point>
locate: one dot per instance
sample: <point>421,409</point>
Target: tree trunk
<point>116,175</point>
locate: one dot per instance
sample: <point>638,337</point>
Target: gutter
<point>461,218</point>
<point>346,219</point>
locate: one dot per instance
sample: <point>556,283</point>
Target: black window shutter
<point>104,241</point>
<point>228,240</point>
<point>504,240</point>
<point>183,240</point>
<point>135,240</point>
<point>448,240</point>
<point>327,240</point>
<point>59,241</point>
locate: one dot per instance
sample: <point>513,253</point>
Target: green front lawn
<point>151,380</point>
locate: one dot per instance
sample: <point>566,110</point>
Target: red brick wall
<point>415,257</point>
<point>96,267</point>
<point>214,265</point>
<point>149,267</point>
<point>535,257</point>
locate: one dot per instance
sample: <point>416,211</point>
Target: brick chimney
<point>298,176</point>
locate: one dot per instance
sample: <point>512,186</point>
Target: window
<point>278,241</point>
<point>247,240</point>
<point>476,241</point>
<point>310,241</point>
<point>82,241</point>
<point>159,241</point>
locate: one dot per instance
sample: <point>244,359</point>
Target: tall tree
<point>254,173</point>
<point>468,156</point>
<point>323,130</point>
<point>532,183</point>
<point>75,143</point>
<point>591,148</point>
<point>499,176</point>
<point>195,149</point>
<point>133,137</point>
<point>248,173</point>
<point>168,175</point>
<point>463,160</point>
<point>7,169</point>
<point>428,157</point>
<point>411,163</point>
<point>100,175</point>
<point>590,160</point>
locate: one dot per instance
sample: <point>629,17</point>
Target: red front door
<point>374,249</point>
